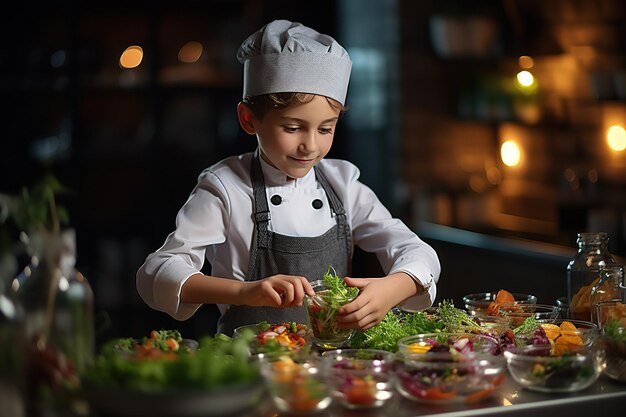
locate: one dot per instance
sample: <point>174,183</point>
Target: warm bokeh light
<point>190,52</point>
<point>525,62</point>
<point>510,153</point>
<point>525,78</point>
<point>616,137</point>
<point>569,174</point>
<point>494,176</point>
<point>131,57</point>
<point>572,178</point>
<point>477,183</point>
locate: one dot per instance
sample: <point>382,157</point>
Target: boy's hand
<point>377,297</point>
<point>276,291</point>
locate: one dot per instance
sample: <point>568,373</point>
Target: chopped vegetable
<point>447,371</point>
<point>504,300</point>
<point>559,371</point>
<point>294,385</point>
<point>281,337</point>
<point>219,361</point>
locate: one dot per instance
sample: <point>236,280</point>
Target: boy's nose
<point>309,142</point>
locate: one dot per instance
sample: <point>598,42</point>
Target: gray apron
<point>272,253</point>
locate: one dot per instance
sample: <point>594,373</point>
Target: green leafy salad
<point>219,361</point>
<point>614,330</point>
<point>324,306</point>
<point>337,292</point>
<point>394,326</point>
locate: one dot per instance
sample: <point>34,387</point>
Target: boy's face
<point>294,139</point>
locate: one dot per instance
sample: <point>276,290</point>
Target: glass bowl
<point>322,313</point>
<point>441,374</point>
<point>477,304</point>
<point>296,387</point>
<point>541,312</point>
<point>612,341</point>
<point>462,342</point>
<point>295,338</point>
<point>568,336</point>
<point>610,310</point>
<point>159,383</point>
<point>536,368</point>
<point>493,325</point>
<point>360,378</point>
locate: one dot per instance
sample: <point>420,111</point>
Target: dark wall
<point>467,270</point>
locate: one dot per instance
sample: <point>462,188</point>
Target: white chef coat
<point>216,222</point>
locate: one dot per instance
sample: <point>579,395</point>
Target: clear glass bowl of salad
<point>540,368</point>
<point>461,342</point>
<point>296,387</point>
<point>288,337</point>
<point>152,379</point>
<point>442,368</point>
<point>360,378</point>
<point>612,341</point>
<point>494,303</point>
<point>567,336</point>
<point>323,308</point>
<point>541,312</point>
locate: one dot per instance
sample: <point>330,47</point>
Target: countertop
<point>511,399</point>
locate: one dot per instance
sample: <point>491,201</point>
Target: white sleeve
<point>397,247</point>
<point>200,223</point>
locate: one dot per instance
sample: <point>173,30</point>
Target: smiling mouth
<point>302,161</point>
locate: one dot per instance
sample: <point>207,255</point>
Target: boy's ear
<point>246,117</point>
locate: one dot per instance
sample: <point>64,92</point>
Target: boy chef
<point>271,221</point>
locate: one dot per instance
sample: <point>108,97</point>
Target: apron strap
<point>261,207</point>
<point>335,204</point>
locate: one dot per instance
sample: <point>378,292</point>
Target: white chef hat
<point>286,56</point>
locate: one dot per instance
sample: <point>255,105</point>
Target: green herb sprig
<point>456,320</point>
<point>527,328</point>
<point>614,330</point>
<point>337,291</point>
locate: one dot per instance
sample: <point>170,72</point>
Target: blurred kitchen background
<point>495,129</point>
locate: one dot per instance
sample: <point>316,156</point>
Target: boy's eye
<point>325,130</point>
<point>291,129</point>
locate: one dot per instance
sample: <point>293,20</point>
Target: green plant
<point>33,210</point>
<point>36,209</point>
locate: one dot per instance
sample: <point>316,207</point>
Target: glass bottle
<point>583,272</point>
<point>607,288</point>
<point>58,323</point>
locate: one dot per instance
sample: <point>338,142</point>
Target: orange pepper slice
<point>436,393</point>
<point>552,330</point>
<point>478,395</point>
<point>567,325</point>
<point>505,299</point>
<point>418,348</point>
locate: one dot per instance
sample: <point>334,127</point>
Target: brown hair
<point>260,105</point>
